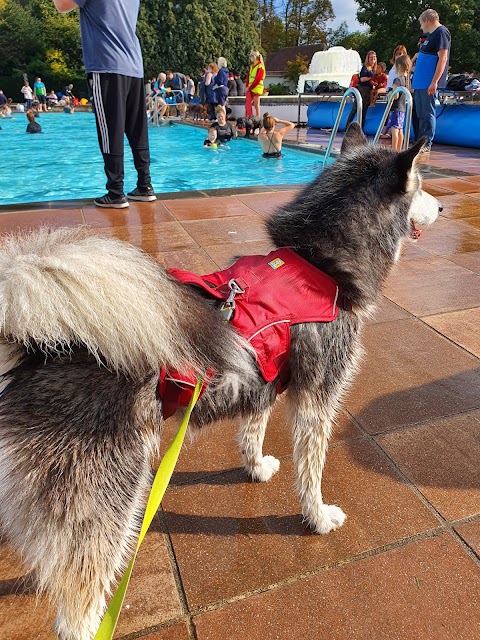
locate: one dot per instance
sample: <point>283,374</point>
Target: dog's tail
<point>65,287</point>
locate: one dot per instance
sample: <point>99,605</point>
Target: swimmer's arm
<point>288,126</point>
<point>64,6</point>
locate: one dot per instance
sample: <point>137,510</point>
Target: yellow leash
<point>159,486</point>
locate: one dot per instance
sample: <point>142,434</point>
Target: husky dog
<point>86,324</point>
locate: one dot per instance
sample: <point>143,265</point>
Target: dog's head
<point>351,221</point>
<point>256,122</point>
<point>241,123</point>
<point>395,173</point>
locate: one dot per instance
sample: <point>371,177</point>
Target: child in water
<point>33,126</point>
<point>211,139</point>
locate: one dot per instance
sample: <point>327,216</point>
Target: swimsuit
<point>275,154</point>
<point>272,154</point>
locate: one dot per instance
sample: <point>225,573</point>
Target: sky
<point>345,10</point>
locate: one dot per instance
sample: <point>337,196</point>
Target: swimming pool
<point>64,162</point>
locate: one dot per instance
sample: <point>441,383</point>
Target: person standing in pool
<point>114,66</point>
<point>270,139</point>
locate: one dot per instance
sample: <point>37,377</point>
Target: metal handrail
<point>408,114</point>
<point>170,94</point>
<point>358,98</point>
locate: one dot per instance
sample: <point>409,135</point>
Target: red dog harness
<point>262,296</point>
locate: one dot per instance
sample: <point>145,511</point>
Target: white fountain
<point>336,64</point>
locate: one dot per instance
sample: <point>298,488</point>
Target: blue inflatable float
<point>457,124</point>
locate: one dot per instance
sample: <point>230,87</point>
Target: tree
<point>392,23</point>
<point>189,34</point>
<point>305,21</point>
<point>20,34</point>
<point>36,39</point>
<point>272,32</point>
<point>295,68</point>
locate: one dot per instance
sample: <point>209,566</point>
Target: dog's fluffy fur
<point>86,324</point>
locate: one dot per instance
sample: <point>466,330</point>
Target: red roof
<point>277,62</point>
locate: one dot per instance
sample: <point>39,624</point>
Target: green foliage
<point>305,21</point>
<point>188,34</point>
<point>301,22</point>
<point>392,23</point>
<point>272,31</point>
<point>36,39</point>
<point>295,68</point>
<point>278,90</point>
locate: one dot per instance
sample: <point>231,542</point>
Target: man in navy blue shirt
<point>431,66</point>
<point>114,66</point>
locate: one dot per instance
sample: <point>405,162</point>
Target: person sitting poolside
<point>33,126</point>
<point>270,139</point>
<point>379,82</point>
<point>52,99</point>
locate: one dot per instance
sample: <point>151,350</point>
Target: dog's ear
<point>405,158</point>
<point>354,137</point>
<point>405,161</point>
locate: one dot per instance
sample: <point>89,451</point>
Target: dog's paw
<point>327,517</point>
<point>264,470</point>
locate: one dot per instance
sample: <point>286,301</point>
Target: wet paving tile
<point>248,535</point>
<point>196,260</point>
<point>24,220</point>
<point>177,632</point>
<point>266,203</point>
<point>23,615</point>
<point>459,206</point>
<point>472,179</point>
<point>470,261</point>
<point>224,254</point>
<point>435,190</point>
<point>233,230</point>
<point>423,376</point>
<point>205,208</point>
<point>447,236</point>
<point>458,185</point>
<point>470,532</point>
<point>152,573</point>
<point>459,326</point>
<point>216,450</point>
<point>433,285</point>
<point>153,239</point>
<point>413,249</point>
<point>378,597</point>
<point>441,459</point>
<point>387,312</point>
<point>138,213</point>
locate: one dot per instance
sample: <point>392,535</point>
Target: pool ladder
<point>358,99</point>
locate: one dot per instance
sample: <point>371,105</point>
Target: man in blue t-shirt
<point>114,66</point>
<point>431,66</point>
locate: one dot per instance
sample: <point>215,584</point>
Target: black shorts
<point>42,99</point>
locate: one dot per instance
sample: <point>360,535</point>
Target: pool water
<point>64,161</point>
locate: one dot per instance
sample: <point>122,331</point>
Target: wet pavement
<point>229,559</point>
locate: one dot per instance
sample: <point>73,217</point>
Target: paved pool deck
<point>229,559</point>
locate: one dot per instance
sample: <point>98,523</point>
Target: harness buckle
<point>227,308</point>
